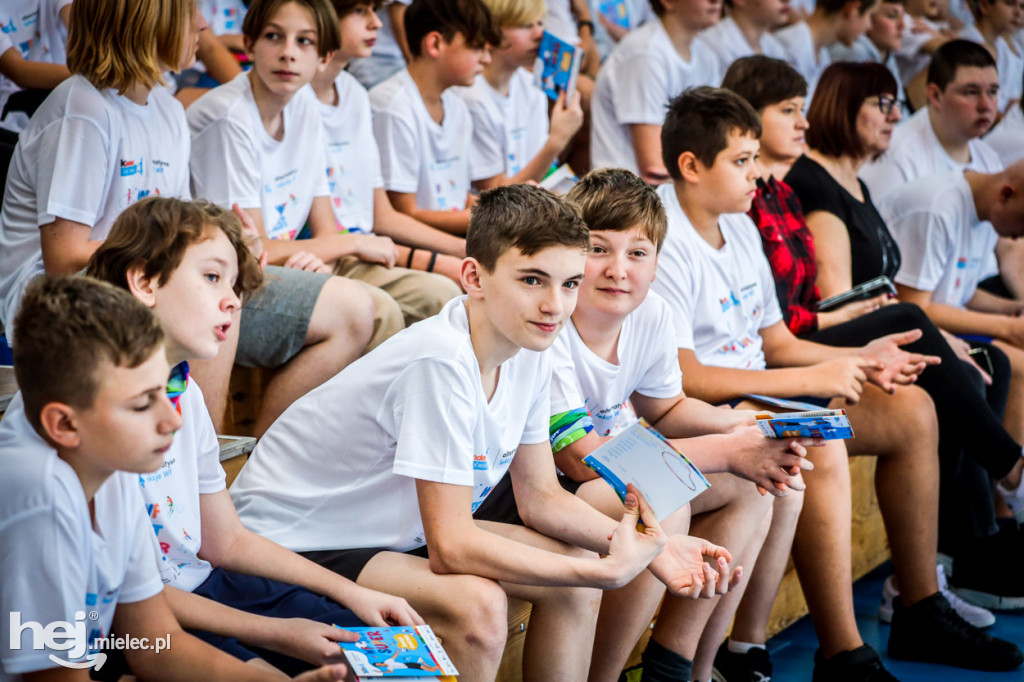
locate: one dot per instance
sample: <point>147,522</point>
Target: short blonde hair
<point>516,12</point>
<point>123,43</point>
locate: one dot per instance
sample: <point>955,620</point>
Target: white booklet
<point>641,456</point>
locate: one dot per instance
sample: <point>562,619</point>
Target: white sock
<point>743,647</point>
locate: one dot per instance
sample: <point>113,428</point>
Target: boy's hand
<point>898,367</point>
<point>252,235</point>
<point>774,465</point>
<point>303,260</point>
<point>683,569</point>
<point>633,547</point>
<point>375,249</point>
<point>328,673</point>
<point>381,610</point>
<point>961,348</point>
<point>842,377</point>
<point>566,119</point>
<point>308,640</point>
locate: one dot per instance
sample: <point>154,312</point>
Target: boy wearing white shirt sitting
<point>807,41</point>
<point>651,65</point>
<point>747,30</point>
<point>92,417</point>
<point>880,43</point>
<point>512,141</point>
<point>996,23</point>
<point>357,196</point>
<point>423,129</point>
<point>616,357</point>
<point>444,457</point>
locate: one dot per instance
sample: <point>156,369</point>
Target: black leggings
<point>973,445</point>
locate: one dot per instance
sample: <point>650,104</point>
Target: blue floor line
<point>793,649</point>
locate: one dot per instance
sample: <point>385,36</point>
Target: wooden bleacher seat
<point>8,386</point>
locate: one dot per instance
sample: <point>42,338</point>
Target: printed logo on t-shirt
<point>480,461</point>
<point>131,167</point>
<point>446,189</point>
<point>160,166</point>
<point>8,26</point>
<point>729,301</point>
<point>480,493</point>
<point>506,457</point>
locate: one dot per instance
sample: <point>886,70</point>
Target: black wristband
<point>408,261</point>
<point>433,259</point>
<point>586,22</point>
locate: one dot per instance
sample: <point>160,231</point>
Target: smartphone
<point>870,289</point>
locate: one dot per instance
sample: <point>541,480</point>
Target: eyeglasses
<point>886,104</point>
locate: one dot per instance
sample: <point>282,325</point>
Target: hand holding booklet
<point>827,424</point>
<point>405,652</point>
<point>641,456</point>
<point>557,67</point>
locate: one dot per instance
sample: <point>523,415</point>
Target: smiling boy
<point>445,457</point>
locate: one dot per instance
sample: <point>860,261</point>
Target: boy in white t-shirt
<point>357,196</point>
<point>93,415</point>
<point>447,411</point>
<point>189,263</point>
<point>390,51</point>
<point>807,41</point>
<point>423,129</point>
<point>1007,138</point>
<point>880,43</point>
<point>714,274</point>
<point>616,357</point>
<point>512,141</point>
<point>747,30</point>
<point>996,23</point>
<point>650,66</point>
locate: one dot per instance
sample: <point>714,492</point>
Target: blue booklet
<point>402,652</point>
<point>641,456</point>
<point>615,11</point>
<point>827,424</point>
<point>558,66</point>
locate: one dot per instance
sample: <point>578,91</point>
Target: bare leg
<point>214,376</point>
<point>339,330</point>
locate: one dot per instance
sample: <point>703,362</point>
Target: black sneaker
<point>931,630</point>
<point>996,583</point>
<point>859,665</point>
<point>753,666</point>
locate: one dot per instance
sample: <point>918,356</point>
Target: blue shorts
<point>267,597</point>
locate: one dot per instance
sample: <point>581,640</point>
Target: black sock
<point>662,665</point>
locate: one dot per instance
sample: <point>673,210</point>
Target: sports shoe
<point>987,573</point>
<point>753,666</point>
<point>932,631</point>
<point>859,665</point>
<point>1014,499</point>
<point>975,615</point>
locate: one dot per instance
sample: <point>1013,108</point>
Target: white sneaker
<point>975,615</point>
<point>1014,499</point>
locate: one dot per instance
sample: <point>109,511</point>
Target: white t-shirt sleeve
<point>678,288</point>
<point>641,93</point>
<point>73,171</point>
<point>434,403</point>
<point>397,143</point>
<point>537,422</point>
<point>487,154</point>
<point>663,378</point>
<point>142,578</point>
<point>565,390</point>
<point>225,166</point>
<point>926,247</point>
<point>211,474</point>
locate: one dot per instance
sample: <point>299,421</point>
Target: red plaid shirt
<point>789,246</point>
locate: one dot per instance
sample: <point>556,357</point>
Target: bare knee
<point>479,616</point>
<point>343,310</point>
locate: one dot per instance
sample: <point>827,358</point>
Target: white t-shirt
<point>944,245</point>
<point>55,561</point>
<point>86,156</point>
<point>864,50</point>
<point>915,152</point>
<point>799,45</point>
<point>507,131</point>
<point>720,298</point>
<point>728,43</point>
<point>191,468</point>
<point>353,162</point>
<point>648,364</point>
<point>635,85</point>
<point>1009,64</point>
<point>417,155</point>
<point>224,16</point>
<point>909,57</point>
<point>35,29</point>
<point>560,22</point>
<point>1007,138</point>
<point>234,160</point>
<point>338,469</point>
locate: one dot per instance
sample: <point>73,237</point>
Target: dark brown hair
<point>522,217</point>
<point>155,233</point>
<point>325,21</point>
<point>471,18</point>
<point>700,121</point>
<point>764,81</point>
<point>66,326</point>
<point>840,92</point>
<point>950,56</point>
<point>615,199</point>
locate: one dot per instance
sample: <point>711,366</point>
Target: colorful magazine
<point>827,424</point>
<point>405,652</point>
<point>559,180</point>
<point>641,456</point>
<point>615,11</point>
<point>557,67</point>
<point>784,403</point>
